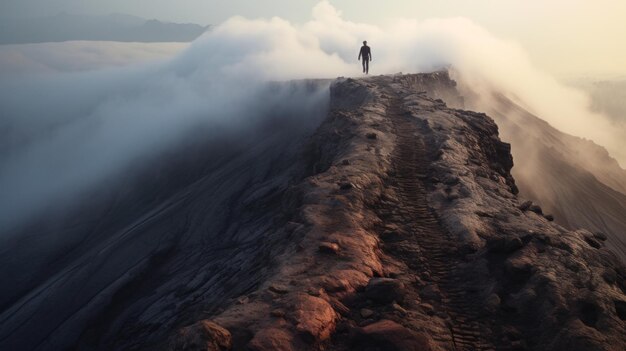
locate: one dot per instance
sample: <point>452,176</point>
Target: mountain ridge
<point>389,220</point>
<point>114,27</point>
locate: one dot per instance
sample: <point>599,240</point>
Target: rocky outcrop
<point>576,182</point>
<point>416,239</point>
<point>395,225</point>
<point>204,335</point>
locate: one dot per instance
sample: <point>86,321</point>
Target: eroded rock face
<point>389,335</point>
<point>385,290</point>
<point>314,318</point>
<point>414,239</point>
<point>272,339</point>
<point>202,336</point>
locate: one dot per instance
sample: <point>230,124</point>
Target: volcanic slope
<point>389,221</point>
<point>415,239</point>
<point>572,178</point>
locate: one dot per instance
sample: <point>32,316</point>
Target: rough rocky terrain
<point>391,224</point>
<point>415,239</point>
<point>574,179</point>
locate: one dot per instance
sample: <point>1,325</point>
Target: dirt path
<point>425,248</point>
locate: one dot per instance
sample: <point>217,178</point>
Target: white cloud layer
<point>66,132</point>
<point>72,56</point>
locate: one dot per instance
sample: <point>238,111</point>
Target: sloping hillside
<point>574,179</point>
<point>388,221</point>
<point>115,27</point>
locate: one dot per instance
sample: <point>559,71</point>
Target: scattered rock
<point>451,180</point>
<point>391,235</point>
<point>484,214</point>
<point>204,335</point>
<point>454,195</point>
<point>536,208</point>
<point>272,339</point>
<point>525,205</point>
<point>391,336</point>
<point>493,302</point>
<point>366,313</point>
<point>431,292</point>
<point>243,300</point>
<point>609,275</point>
<point>398,308</point>
<point>620,309</point>
<point>329,248</point>
<point>549,217</point>
<point>588,312</point>
<point>371,136</point>
<point>428,308</point>
<point>593,242</point>
<point>385,290</point>
<point>519,268</point>
<point>332,285</point>
<point>278,313</point>
<point>346,186</point>
<point>345,162</point>
<point>279,288</point>
<point>505,244</point>
<point>600,236</point>
<point>315,318</point>
<point>340,307</point>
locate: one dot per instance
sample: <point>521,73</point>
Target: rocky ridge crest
<point>408,235</point>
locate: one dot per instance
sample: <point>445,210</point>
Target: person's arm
<point>360,52</point>
<point>371,55</point>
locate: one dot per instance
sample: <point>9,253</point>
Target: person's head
<point>365,42</point>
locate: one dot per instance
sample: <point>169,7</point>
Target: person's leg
<point>367,66</point>
<point>364,63</point>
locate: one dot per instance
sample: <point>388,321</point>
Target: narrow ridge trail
<point>426,248</point>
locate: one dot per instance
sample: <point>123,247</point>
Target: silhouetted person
<point>366,53</point>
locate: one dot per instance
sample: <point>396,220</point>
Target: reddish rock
<point>315,318</point>
<point>278,313</point>
<point>202,336</point>
<point>279,288</point>
<point>391,336</point>
<point>329,248</point>
<point>385,290</point>
<point>272,339</point>
<point>366,313</point>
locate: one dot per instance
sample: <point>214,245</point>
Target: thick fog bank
<point>65,133</point>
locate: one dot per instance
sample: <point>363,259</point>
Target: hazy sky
<point>564,37</point>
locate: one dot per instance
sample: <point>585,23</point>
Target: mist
<point>75,56</point>
<point>66,132</point>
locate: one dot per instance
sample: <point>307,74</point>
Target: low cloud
<point>66,132</point>
<point>75,56</point>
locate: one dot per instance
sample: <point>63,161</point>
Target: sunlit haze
<point>567,38</point>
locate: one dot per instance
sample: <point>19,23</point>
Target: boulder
<point>600,236</point>
<point>385,290</point>
<point>366,313</point>
<point>329,248</point>
<point>524,206</point>
<point>272,339</point>
<point>346,186</point>
<point>279,288</point>
<point>536,208</point>
<point>315,318</point>
<point>202,336</point>
<point>391,336</point>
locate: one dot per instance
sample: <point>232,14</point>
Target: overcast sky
<point>564,37</point>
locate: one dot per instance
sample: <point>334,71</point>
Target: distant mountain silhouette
<point>114,27</point>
